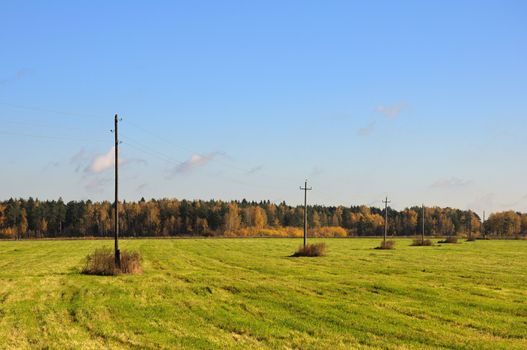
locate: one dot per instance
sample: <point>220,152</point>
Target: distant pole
<point>483,226</point>
<point>423,231</point>
<point>116,203</point>
<point>386,218</point>
<point>469,224</point>
<point>305,189</point>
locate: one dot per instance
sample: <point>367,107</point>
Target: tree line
<point>32,218</point>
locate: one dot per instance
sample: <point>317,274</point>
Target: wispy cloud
<point>97,185</point>
<point>485,202</point>
<point>316,171</point>
<point>79,159</point>
<point>194,162</point>
<point>451,183</point>
<point>18,75</point>
<point>391,111</point>
<point>141,187</point>
<point>254,170</point>
<point>366,131</point>
<point>51,165</point>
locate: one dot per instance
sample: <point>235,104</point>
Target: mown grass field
<point>248,294</point>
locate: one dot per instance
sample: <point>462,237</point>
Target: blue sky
<point>422,101</point>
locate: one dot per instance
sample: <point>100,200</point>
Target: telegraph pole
<point>386,218</point>
<point>116,203</point>
<point>305,189</point>
<point>483,226</point>
<point>469,224</point>
<point>423,232</point>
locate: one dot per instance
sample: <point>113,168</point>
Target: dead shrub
<point>131,262</point>
<point>311,250</point>
<point>386,245</point>
<point>449,239</point>
<point>471,239</point>
<point>330,231</point>
<point>420,243</point>
<point>102,262</point>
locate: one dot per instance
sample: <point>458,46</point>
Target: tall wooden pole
<point>483,226</point>
<point>386,218</point>
<point>469,225</point>
<point>116,203</point>
<point>305,189</point>
<point>423,232</point>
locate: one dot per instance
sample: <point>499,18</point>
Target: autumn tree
<point>232,218</point>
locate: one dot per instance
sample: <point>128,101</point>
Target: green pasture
<point>249,294</point>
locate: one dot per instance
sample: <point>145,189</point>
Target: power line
<point>167,142</point>
<point>65,113</point>
<point>53,137</point>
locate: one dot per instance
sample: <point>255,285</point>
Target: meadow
<point>249,294</point>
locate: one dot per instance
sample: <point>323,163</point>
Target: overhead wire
<point>127,140</point>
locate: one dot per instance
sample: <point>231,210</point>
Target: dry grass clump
<point>102,262</point>
<point>449,239</point>
<point>311,250</point>
<point>471,239</point>
<point>386,245</point>
<point>330,231</point>
<point>420,243</point>
<point>131,262</point>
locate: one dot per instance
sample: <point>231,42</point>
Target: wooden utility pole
<point>386,218</point>
<point>423,231</point>
<point>483,226</point>
<point>116,203</point>
<point>469,225</point>
<point>305,189</point>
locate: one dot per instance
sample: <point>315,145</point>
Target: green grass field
<point>248,294</point>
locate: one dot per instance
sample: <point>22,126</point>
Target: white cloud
<point>102,162</point>
<point>392,111</point>
<point>195,161</point>
<point>451,183</point>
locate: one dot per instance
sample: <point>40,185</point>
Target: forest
<point>32,218</point>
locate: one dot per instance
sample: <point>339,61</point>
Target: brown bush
<point>318,249</point>
<point>102,262</point>
<point>420,243</point>
<point>387,245</point>
<point>471,239</point>
<point>330,231</point>
<point>449,239</point>
<point>131,262</point>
